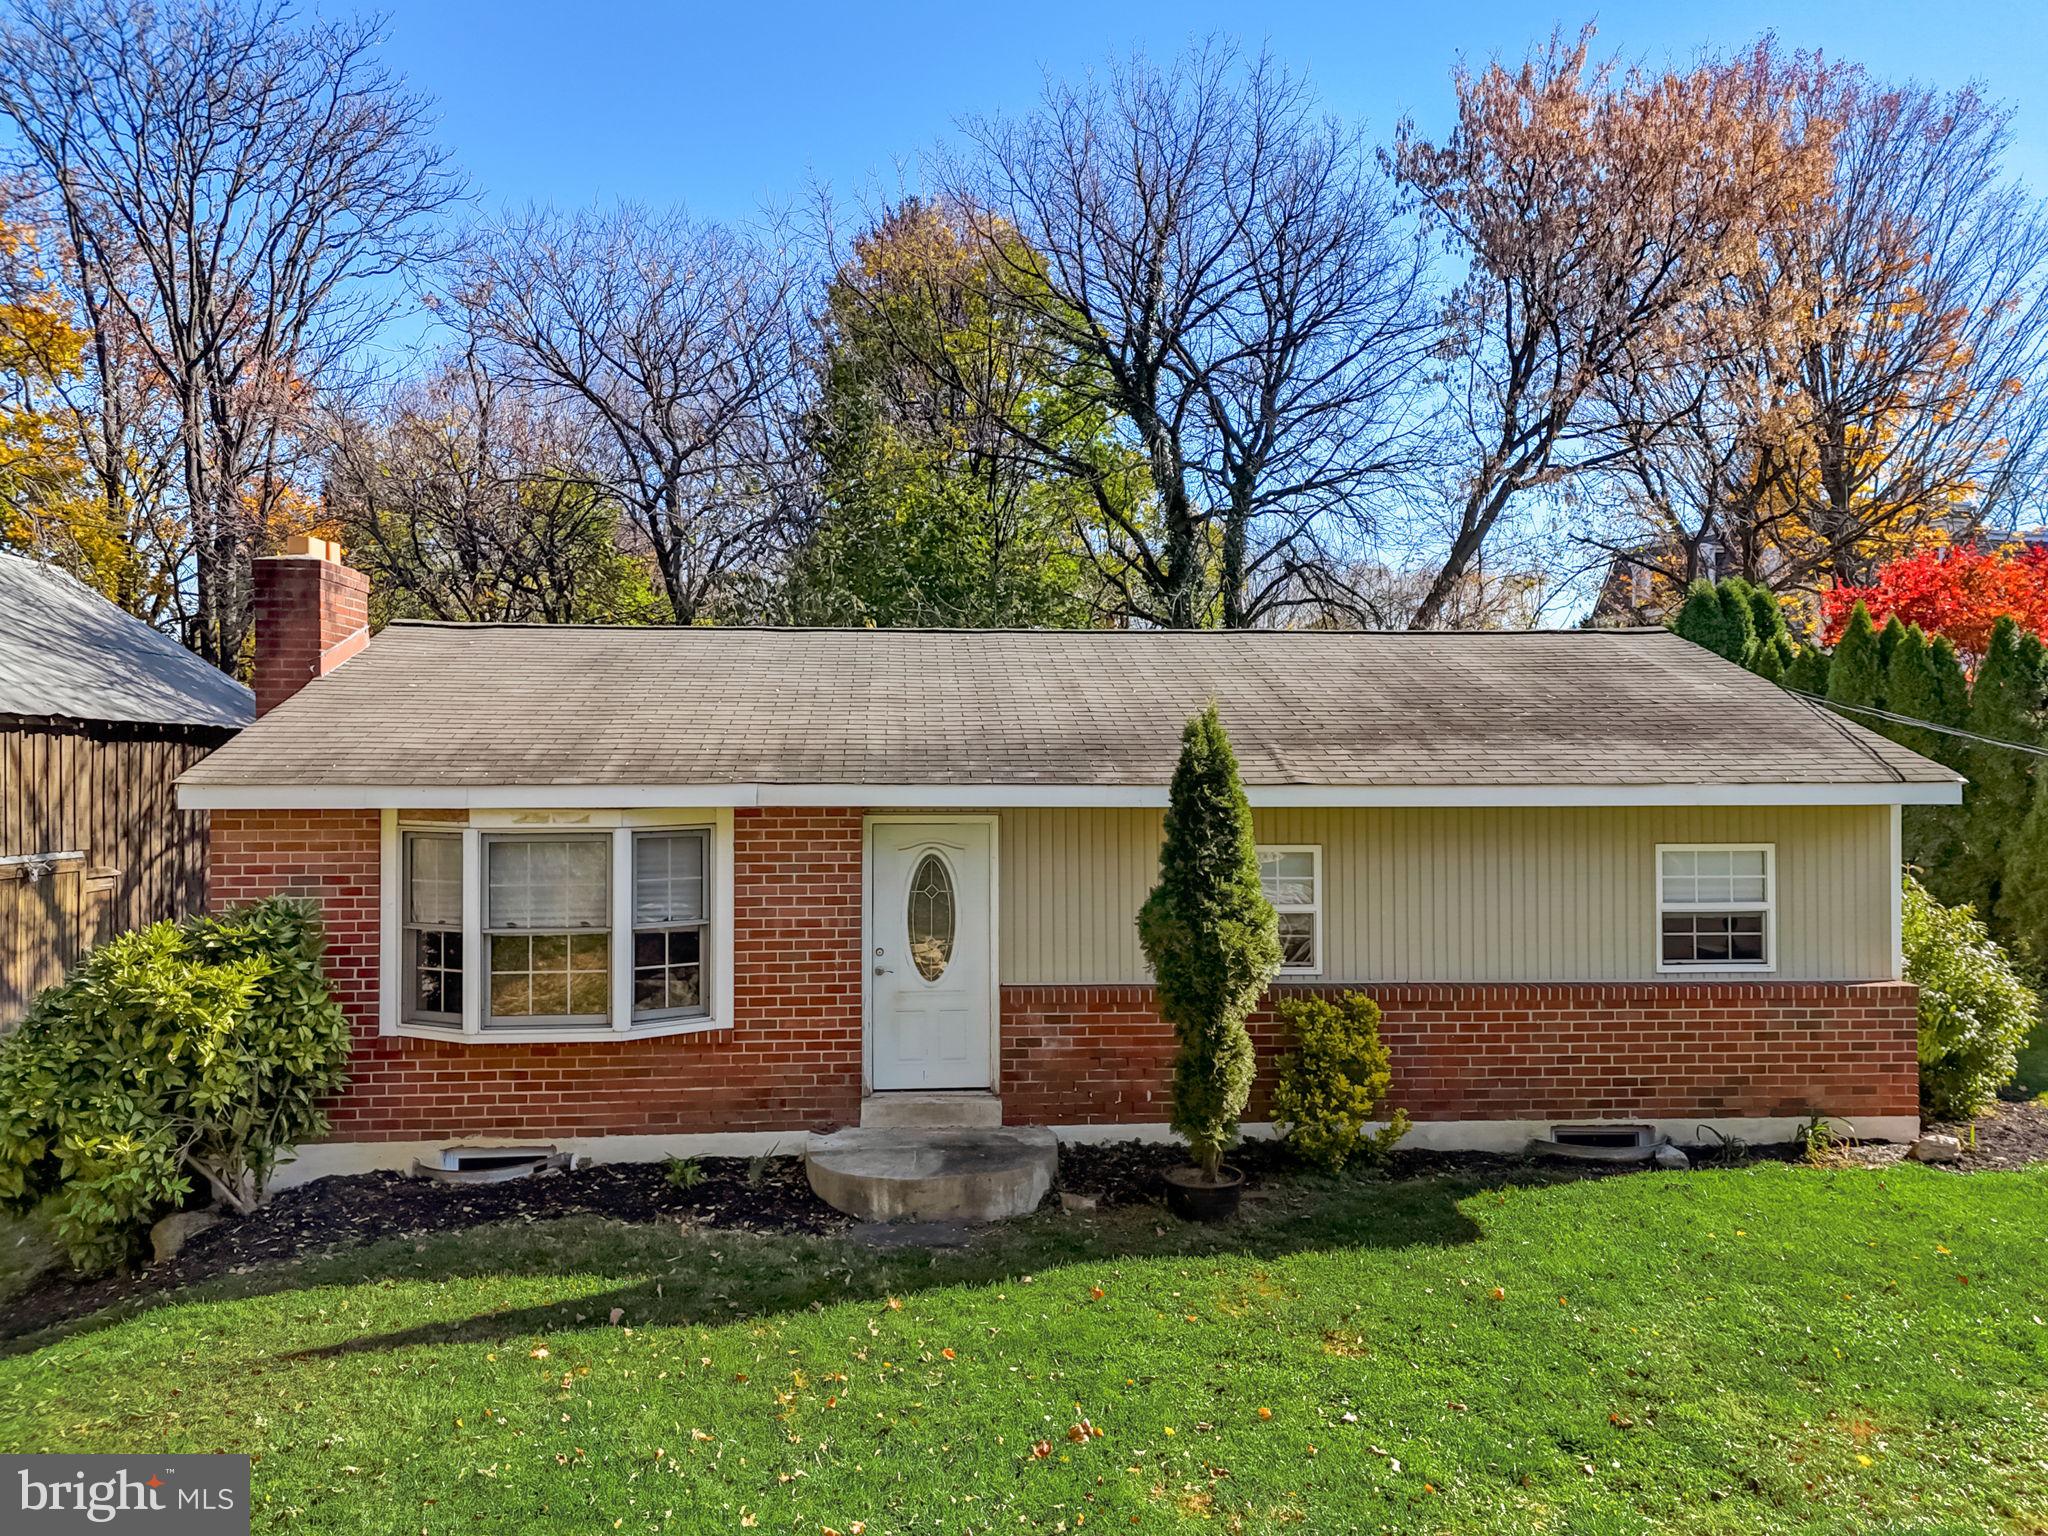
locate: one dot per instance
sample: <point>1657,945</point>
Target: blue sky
<point>726,107</point>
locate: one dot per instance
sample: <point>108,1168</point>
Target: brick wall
<point>1100,1055</point>
<point>791,1060</point>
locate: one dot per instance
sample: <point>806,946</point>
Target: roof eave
<point>201,796</point>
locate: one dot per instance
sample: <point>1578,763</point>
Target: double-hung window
<point>670,893</point>
<point>1292,878</point>
<point>432,923</point>
<point>1716,907</point>
<point>547,925</point>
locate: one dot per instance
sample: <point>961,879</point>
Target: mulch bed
<point>2010,1135</point>
<point>366,1208</point>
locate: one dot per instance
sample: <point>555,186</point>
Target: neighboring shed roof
<point>66,651</point>
<point>447,708</point>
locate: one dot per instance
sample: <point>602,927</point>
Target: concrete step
<point>930,1111</point>
<point>982,1174</point>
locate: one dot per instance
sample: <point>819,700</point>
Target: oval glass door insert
<point>931,917</point>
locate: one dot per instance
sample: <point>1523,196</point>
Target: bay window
<point>610,924</point>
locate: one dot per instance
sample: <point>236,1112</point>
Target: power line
<point>1925,725</point>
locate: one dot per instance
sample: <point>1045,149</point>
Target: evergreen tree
<point>2024,894</point>
<point>1767,617</point>
<point>1211,937</point>
<point>2004,705</point>
<point>1771,660</point>
<point>1888,639</point>
<point>1808,672</point>
<point>1700,618</point>
<point>1738,624</point>
<point>1856,672</point>
<point>1925,680</point>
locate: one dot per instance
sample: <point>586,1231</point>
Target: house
<point>647,890</point>
<point>99,714</point>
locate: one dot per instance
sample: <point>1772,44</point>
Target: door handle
<point>882,970</point>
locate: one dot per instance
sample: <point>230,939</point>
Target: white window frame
<point>1314,909</point>
<point>449,1019</point>
<point>1768,906</point>
<point>472,826</point>
<point>704,926</point>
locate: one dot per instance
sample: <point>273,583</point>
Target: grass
<point>1768,1349</point>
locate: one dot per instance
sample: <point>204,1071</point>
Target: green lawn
<point>1770,1349</point>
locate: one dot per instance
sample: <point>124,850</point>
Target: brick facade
<point>1070,1055</point>
<point>1499,1051</point>
<point>791,1061</point>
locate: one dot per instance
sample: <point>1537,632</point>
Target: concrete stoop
<point>983,1173</point>
<point>947,1109</point>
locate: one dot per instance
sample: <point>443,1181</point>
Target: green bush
<point>1334,1083</point>
<point>197,1049</point>
<point>1975,1011</point>
<point>1211,937</point>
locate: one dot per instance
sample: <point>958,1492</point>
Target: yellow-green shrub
<point>1333,1084</point>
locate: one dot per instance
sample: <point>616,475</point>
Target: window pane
<point>647,991</point>
<point>930,917</point>
<point>434,883</point>
<point>1298,939</point>
<point>537,882</point>
<point>668,877</point>
<point>511,997</point>
<point>1713,938</point>
<point>1289,878</point>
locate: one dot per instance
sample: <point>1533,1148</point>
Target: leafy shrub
<point>197,1049</point>
<point>1211,937</point>
<point>1333,1084</point>
<point>1975,1010</point>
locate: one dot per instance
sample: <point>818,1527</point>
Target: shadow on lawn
<point>672,1276</point>
<point>769,1276</point>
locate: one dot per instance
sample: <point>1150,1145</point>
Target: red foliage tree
<point>1959,591</point>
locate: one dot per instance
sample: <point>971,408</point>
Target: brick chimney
<point>312,613</point>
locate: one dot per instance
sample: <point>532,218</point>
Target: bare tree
<point>675,339</point>
<point>1592,205</point>
<point>1221,268</point>
<point>237,181</point>
<point>1892,372</point>
<point>466,499</point>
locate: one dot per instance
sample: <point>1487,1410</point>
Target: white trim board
<point>361,797</point>
<point>1500,1136</point>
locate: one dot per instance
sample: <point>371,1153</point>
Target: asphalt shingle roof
<point>66,651</point>
<point>477,705</point>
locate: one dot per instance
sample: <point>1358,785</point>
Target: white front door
<point>931,960</point>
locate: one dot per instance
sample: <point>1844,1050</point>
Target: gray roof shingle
<point>66,651</point>
<point>433,705</point>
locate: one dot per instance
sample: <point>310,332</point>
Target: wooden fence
<point>92,842</point>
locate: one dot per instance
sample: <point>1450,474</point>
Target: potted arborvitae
<point>1214,944</point>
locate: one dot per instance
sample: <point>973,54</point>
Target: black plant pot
<point>1191,1197</point>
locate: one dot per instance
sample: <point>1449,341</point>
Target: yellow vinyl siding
<point>1462,895</point>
